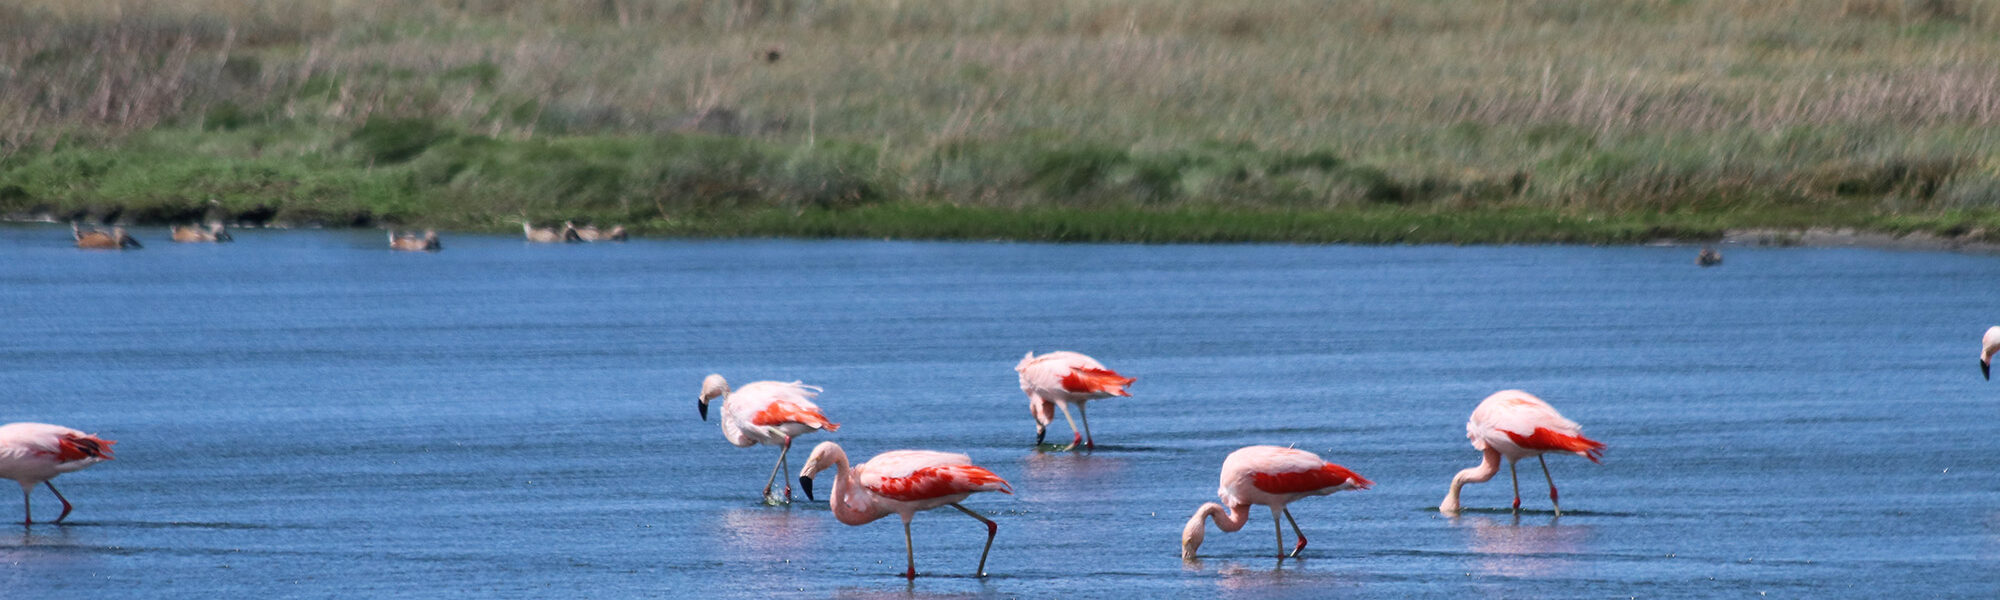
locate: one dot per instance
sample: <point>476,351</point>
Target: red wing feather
<point>781,412</point>
<point>939,481</point>
<point>1551,440</point>
<point>1296,482</point>
<point>79,447</point>
<point>1104,381</point>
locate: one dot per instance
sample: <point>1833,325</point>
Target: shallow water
<point>303,413</point>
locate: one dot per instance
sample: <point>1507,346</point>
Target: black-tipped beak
<point>1039,434</point>
<point>1986,368</point>
<point>704,409</point>
<point>806,483</point>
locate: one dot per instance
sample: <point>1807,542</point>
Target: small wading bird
<point>97,239</point>
<point>1270,476</point>
<point>903,482</point>
<point>32,453</point>
<point>1987,348</point>
<point>412,243</point>
<point>768,413</point>
<point>590,233</point>
<point>1708,257</point>
<point>1517,425</point>
<point>195,234</point>
<point>549,235</point>
<point>1059,379</point>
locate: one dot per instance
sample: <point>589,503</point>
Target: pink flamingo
<point>1518,425</point>
<point>1987,348</point>
<point>768,413</point>
<point>1059,379</point>
<point>903,482</point>
<point>1271,476</point>
<point>32,453</point>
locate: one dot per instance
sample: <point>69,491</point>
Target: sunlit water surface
<point>305,414</point>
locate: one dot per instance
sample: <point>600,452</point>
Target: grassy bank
<point>1103,120</point>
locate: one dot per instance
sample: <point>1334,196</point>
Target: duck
<point>197,234</point>
<point>1708,257</point>
<point>549,235</point>
<point>413,243</point>
<point>590,233</point>
<point>98,239</point>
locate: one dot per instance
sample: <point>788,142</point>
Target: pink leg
<point>1517,484</point>
<point>1295,529</point>
<point>66,507</point>
<point>27,516</point>
<point>1552,486</point>
<point>787,468</point>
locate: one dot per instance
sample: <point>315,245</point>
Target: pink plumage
<point>903,482</point>
<point>1270,476</point>
<point>1517,425</point>
<point>1059,379</point>
<point>35,453</point>
<point>768,413</point>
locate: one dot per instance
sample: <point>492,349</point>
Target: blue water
<point>305,414</point>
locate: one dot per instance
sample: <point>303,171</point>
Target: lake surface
<point>305,414</point>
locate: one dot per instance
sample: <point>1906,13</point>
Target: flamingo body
<point>35,453</point>
<point>1516,425</point>
<point>1269,476</point>
<point>766,413</point>
<point>903,483</point>
<point>1057,380</point>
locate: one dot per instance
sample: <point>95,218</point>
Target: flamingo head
<point>825,455</point>
<point>1191,535</point>
<point>712,387</point>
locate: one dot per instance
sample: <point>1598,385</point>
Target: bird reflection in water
<point>1509,548</point>
<point>760,533</point>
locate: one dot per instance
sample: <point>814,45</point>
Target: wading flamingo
<point>768,413</point>
<point>1271,476</point>
<point>903,482</point>
<point>32,453</point>
<point>1517,425</point>
<point>1987,348</point>
<point>1059,379</point>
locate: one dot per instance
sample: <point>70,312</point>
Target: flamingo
<point>768,413</point>
<point>1059,379</point>
<point>1271,476</point>
<point>32,453</point>
<point>903,482</point>
<point>1987,348</point>
<point>1518,425</point>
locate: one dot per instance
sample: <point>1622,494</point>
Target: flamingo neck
<point>847,507</point>
<point>1489,464</point>
<point>1228,519</point>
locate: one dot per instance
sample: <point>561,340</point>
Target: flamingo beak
<point>1986,368</point>
<point>704,410</point>
<point>1039,434</point>
<point>806,483</point>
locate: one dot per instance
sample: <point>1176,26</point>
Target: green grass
<point>1131,120</point>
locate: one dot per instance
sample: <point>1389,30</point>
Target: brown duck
<point>98,239</point>
<point>413,243</point>
<point>195,234</point>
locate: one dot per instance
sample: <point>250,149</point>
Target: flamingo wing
<point>779,412</point>
<point>63,444</point>
<point>1276,470</point>
<point>915,475</point>
<point>1526,421</point>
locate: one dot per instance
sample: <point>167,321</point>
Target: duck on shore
<point>549,235</point>
<point>413,243</point>
<point>98,239</point>
<point>590,233</point>
<point>213,233</point>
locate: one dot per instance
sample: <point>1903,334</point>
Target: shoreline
<point>1756,237</point>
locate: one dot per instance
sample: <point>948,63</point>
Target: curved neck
<point>846,506</point>
<point>1489,464</point>
<point>1229,519</point>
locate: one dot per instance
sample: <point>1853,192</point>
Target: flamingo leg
<point>66,507</point>
<point>1545,473</point>
<point>1516,475</point>
<point>1083,415</point>
<point>27,516</point>
<point>909,550</point>
<point>1072,425</point>
<point>785,466</point>
<point>991,529</point>
<point>1278,527</point>
<point>1295,529</point>
<point>787,448</point>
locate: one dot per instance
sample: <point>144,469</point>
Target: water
<point>305,414</point>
